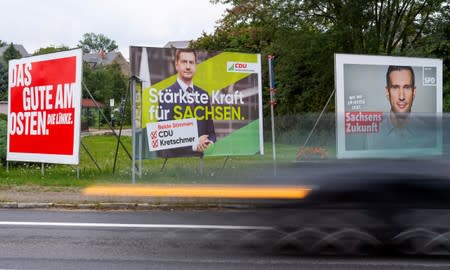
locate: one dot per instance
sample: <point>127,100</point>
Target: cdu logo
<point>242,67</point>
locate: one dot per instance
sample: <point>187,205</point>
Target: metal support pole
<point>106,119</point>
<point>133,130</point>
<point>123,108</point>
<point>318,118</point>
<point>141,147</point>
<point>223,165</point>
<point>273,102</point>
<point>90,156</point>
<point>164,165</point>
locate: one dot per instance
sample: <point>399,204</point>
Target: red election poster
<point>44,108</point>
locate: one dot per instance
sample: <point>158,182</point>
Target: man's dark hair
<point>185,50</point>
<point>398,68</point>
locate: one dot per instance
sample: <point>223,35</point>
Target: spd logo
<point>242,67</point>
<point>429,76</point>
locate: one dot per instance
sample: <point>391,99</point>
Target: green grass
<point>103,148</point>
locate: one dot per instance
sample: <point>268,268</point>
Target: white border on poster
<point>52,158</point>
<point>340,60</point>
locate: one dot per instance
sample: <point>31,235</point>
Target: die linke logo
<point>242,67</point>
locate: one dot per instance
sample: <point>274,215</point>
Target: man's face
<point>401,91</point>
<point>185,66</point>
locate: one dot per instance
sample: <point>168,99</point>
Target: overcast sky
<point>36,24</point>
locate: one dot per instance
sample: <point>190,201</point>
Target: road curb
<point>119,206</point>
<point>9,205</point>
<point>34,205</point>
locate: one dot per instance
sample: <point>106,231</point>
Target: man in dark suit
<point>193,97</point>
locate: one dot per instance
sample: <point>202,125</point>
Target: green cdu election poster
<point>198,103</point>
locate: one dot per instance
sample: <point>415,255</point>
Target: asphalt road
<point>221,239</point>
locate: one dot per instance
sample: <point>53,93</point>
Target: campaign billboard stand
<point>121,121</point>
<point>219,93</point>
<point>388,106</point>
<point>118,136</point>
<point>44,106</point>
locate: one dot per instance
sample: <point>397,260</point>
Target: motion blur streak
<point>202,191</point>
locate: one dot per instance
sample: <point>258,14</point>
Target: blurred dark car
<point>363,206</point>
<point>370,204</point>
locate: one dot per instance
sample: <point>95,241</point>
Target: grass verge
<point>102,149</point>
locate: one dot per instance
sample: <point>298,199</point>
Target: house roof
<point>19,47</point>
<point>3,107</point>
<point>181,44</point>
<point>89,103</point>
<point>107,58</point>
<point>101,58</point>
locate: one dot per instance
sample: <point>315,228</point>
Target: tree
<point>437,44</point>
<point>266,27</point>
<point>363,26</point>
<point>51,49</point>
<point>304,35</point>
<point>380,27</point>
<point>2,43</point>
<point>11,53</point>
<point>248,26</point>
<point>92,42</point>
<point>3,137</point>
<point>3,82</point>
<point>104,83</point>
